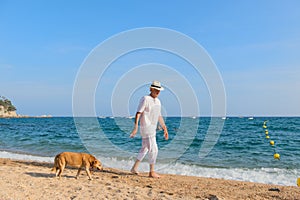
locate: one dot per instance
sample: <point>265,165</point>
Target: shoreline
<point>23,179</point>
<point>25,116</point>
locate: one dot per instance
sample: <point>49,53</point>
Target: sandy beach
<point>34,180</point>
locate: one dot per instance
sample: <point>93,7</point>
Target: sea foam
<point>285,177</point>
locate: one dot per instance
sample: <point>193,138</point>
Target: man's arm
<point>136,124</point>
<point>163,125</point>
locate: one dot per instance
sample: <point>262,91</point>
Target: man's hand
<point>133,132</point>
<point>166,134</point>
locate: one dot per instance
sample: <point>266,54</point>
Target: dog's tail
<point>55,166</point>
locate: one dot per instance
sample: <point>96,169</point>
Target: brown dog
<point>75,160</point>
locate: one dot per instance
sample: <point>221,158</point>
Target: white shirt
<point>150,109</point>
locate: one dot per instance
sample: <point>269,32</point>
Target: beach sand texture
<point>34,180</point>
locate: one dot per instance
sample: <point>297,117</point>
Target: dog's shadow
<point>40,175</point>
<point>52,175</point>
<point>46,175</point>
<point>49,175</point>
<point>44,165</point>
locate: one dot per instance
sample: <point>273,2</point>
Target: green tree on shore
<point>6,103</point>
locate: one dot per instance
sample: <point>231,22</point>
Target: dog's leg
<point>61,171</point>
<point>57,171</point>
<point>88,172</point>
<point>78,172</point>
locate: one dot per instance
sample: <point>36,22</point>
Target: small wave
<point>19,156</point>
<point>286,177</point>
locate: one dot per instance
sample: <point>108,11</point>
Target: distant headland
<point>8,110</point>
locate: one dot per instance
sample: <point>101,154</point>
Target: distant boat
<point>250,118</point>
<point>223,117</point>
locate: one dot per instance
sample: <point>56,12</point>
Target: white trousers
<point>149,146</point>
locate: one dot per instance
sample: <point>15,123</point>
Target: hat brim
<point>157,88</point>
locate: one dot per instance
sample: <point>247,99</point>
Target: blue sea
<point>233,148</point>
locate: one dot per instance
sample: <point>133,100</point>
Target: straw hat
<point>156,85</point>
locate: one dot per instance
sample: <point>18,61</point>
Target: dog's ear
<point>92,160</point>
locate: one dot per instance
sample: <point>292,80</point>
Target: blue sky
<point>254,44</point>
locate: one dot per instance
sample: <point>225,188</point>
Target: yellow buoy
<point>267,137</point>
<point>298,182</point>
<point>264,126</point>
<point>267,132</point>
<point>272,142</point>
<point>277,156</point>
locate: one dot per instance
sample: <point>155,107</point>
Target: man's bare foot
<point>153,175</point>
<point>134,171</point>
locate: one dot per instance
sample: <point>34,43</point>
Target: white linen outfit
<point>150,109</point>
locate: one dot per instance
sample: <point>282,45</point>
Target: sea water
<point>235,148</point>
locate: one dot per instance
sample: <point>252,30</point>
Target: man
<point>149,113</point>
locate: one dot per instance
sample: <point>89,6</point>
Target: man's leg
<point>152,173</point>
<point>153,151</point>
<point>135,167</point>
<point>141,155</point>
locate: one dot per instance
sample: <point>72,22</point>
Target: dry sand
<point>34,180</point>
